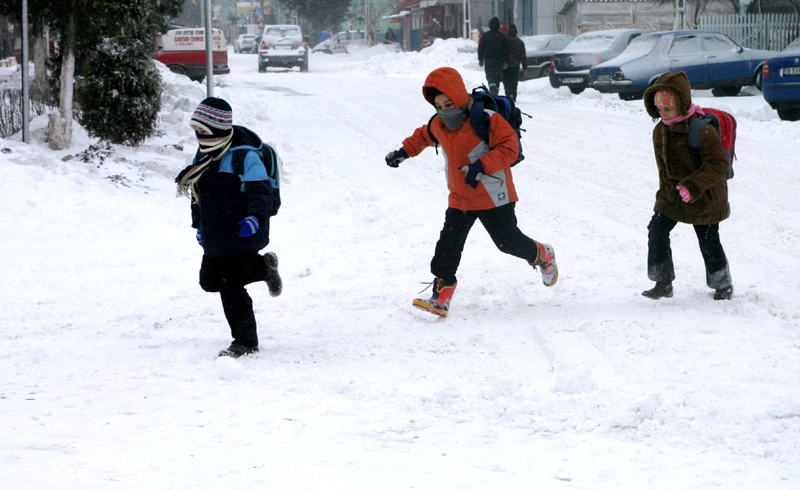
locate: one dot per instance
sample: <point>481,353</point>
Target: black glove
<point>393,158</point>
<point>473,173</point>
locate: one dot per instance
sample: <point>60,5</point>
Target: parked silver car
<point>539,49</point>
<point>571,66</point>
<point>282,46</point>
<point>244,43</point>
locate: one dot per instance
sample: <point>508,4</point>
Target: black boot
<point>274,282</point>
<point>660,290</point>
<point>237,350</point>
<point>724,293</point>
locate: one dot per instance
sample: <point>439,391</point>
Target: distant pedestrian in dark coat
<point>692,187</point>
<point>389,37</point>
<point>516,58</point>
<point>231,213</point>
<point>493,52</point>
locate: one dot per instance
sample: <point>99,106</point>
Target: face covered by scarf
<point>214,145</point>
<point>454,118</point>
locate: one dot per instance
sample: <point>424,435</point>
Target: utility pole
<point>209,51</point>
<point>26,106</point>
<point>466,7</point>
<point>680,15</point>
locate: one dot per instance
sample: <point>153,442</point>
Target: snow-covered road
<point>107,344</point>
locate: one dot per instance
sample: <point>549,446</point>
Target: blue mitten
<point>199,238</point>
<point>249,226</point>
<point>473,172</point>
<point>393,158</point>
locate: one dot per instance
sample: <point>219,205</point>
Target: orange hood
<point>449,82</point>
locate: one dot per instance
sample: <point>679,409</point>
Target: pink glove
<point>685,194</point>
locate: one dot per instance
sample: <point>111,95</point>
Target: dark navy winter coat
<point>226,199</point>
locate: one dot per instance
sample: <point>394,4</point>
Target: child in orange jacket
<point>480,183</point>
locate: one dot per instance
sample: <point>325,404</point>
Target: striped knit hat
<point>214,115</point>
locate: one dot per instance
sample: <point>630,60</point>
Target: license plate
<point>792,70</point>
<point>604,78</point>
<point>572,80</point>
<point>283,47</point>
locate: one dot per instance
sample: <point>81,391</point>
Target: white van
<point>184,52</point>
<point>341,41</point>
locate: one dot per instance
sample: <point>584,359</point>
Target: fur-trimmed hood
<point>678,84</point>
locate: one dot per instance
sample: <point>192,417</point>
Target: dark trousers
<point>659,253</point>
<point>500,222</point>
<point>494,74</point>
<point>228,275</point>
<point>510,81</point>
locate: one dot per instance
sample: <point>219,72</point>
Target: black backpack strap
<point>238,162</point>
<point>430,133</point>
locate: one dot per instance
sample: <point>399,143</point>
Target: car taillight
<point>619,75</point>
<point>304,45</point>
<point>765,70</point>
<point>552,62</point>
<point>263,45</point>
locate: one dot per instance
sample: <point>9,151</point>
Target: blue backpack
<point>268,157</point>
<point>480,120</point>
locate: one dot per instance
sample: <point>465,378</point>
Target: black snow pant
<point>510,81</point>
<point>494,73</point>
<point>500,222</point>
<point>228,275</point>
<point>659,253</point>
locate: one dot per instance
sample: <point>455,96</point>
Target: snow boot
<point>274,282</point>
<point>237,350</point>
<point>660,290</point>
<point>439,304</point>
<point>546,261</point>
<point>724,293</point>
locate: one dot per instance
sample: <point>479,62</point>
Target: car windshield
<point>641,46</point>
<point>592,40</point>
<point>534,44</point>
<point>282,32</point>
<point>794,47</point>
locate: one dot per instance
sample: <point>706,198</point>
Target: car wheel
<point>727,91</point>
<point>177,69</point>
<point>789,114</point>
<point>576,90</point>
<point>554,81</point>
<point>545,72</point>
<point>631,95</point>
<point>759,78</point>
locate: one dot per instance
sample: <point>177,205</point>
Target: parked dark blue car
<point>782,82</point>
<point>710,59</point>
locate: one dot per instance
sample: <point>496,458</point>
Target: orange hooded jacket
<point>462,147</point>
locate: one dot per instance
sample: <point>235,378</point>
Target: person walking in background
<point>389,38</point>
<point>692,187</point>
<point>492,54</point>
<point>516,57</point>
<point>480,183</point>
<point>231,211</point>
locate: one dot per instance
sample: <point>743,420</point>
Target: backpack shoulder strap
<point>695,126</point>
<point>479,120</point>
<point>237,161</point>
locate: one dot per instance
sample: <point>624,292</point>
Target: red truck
<point>184,52</point>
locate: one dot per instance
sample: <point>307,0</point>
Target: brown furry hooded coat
<point>701,172</point>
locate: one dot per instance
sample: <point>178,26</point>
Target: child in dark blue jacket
<point>231,213</point>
